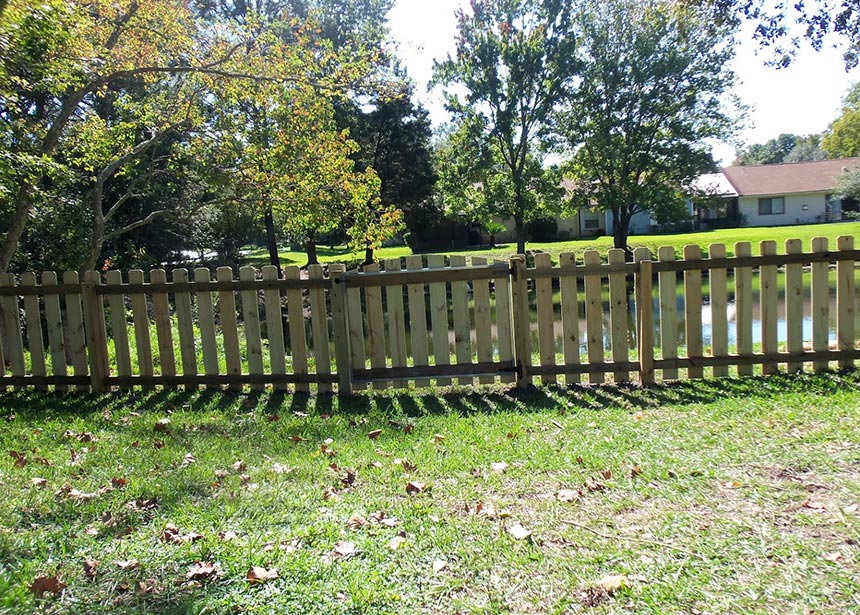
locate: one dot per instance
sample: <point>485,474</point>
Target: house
<point>791,193</point>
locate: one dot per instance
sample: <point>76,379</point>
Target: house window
<point>775,205</point>
<point>591,221</point>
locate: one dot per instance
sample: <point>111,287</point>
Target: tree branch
<point>134,225</point>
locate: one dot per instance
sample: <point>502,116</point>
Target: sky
<point>802,99</point>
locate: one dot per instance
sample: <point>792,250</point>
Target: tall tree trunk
<point>272,240</point>
<point>311,249</point>
<point>16,225</point>
<point>620,230</point>
<point>520,229</point>
<point>368,254</point>
<point>96,243</point>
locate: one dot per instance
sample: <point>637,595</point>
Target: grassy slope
<point>715,497</point>
<point>602,244</point>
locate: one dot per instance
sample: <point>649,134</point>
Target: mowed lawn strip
<point>731,496</point>
<point>602,244</point>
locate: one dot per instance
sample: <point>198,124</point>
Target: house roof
<point>715,184</point>
<point>797,177</point>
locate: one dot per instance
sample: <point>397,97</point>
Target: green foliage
<point>516,61</point>
<point>848,184</point>
<point>652,90</point>
<point>842,138</point>
<point>784,148</point>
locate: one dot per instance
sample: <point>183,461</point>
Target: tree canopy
<point>842,138</point>
<point>652,90</point>
<point>784,148</point>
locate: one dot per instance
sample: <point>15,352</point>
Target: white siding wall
<point>794,212</point>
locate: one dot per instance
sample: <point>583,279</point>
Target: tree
<point>778,23</point>
<point>784,148</point>
<point>394,140</point>
<point>848,184</point>
<point>516,61</point>
<point>654,78</point>
<point>842,138</point>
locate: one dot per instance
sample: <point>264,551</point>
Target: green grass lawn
<point>703,239</point>
<point>730,496</point>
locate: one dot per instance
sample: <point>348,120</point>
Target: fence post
<point>340,324</point>
<point>94,315</point>
<point>845,299</point>
<point>522,333</point>
<point>645,315</point>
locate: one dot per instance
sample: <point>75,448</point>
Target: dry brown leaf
<point>413,487</point>
<point>635,470</point>
<point>568,495</point>
<point>239,466</point>
<point>187,460</point>
<point>227,535</point>
<point>373,435</point>
<point>162,425</point>
<point>519,532</point>
<point>593,485</point>
<point>128,564</point>
<point>832,557</point>
<point>613,582</point>
<point>20,458</point>
<point>330,494</point>
<point>439,565</point>
<point>438,438</point>
<point>297,439</point>
<point>344,549</point>
<point>118,482</point>
<point>39,482</point>
<point>90,567</point>
<point>851,509</point>
<point>278,468</point>
<point>258,574</point>
<point>42,585</point>
<point>606,474</point>
<point>356,521</point>
<point>396,542</point>
<point>407,465</point>
<point>499,466</point>
<point>200,571</point>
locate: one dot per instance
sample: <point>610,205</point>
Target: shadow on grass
<point>462,400</point>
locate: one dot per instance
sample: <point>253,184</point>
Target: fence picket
<point>794,304</point>
<point>229,328</point>
<point>504,329</point>
<point>569,316</point>
<point>418,320</point>
<point>462,325</point>
<point>693,311</point>
<point>845,300</point>
<point>251,324</point>
<point>206,318</point>
<point>667,281</point>
<point>163,325</point>
<point>185,325</point>
<point>119,325</point>
<point>717,279</point>
<point>319,327</point>
<point>54,322</point>
<point>296,325</point>
<point>545,316</point>
<point>439,318</point>
<point>396,321</point>
<point>645,315</point>
<point>275,327</point>
<point>13,342</point>
<point>35,342</point>
<point>743,308</point>
<point>768,300</point>
<point>594,316</point>
<point>96,333</point>
<point>375,325</point>
<point>77,340</point>
<point>356,332</point>
<point>618,314</point>
<point>820,303</point>
<point>483,321</point>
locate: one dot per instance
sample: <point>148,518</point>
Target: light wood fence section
<point>428,322</point>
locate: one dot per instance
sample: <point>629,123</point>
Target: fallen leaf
<point>278,468</point>
<point>239,466</point>
<point>90,566</point>
<point>39,482</point>
<point>221,474</point>
<point>297,439</point>
<point>157,444</point>
<point>373,435</point>
<point>850,509</point>
<point>730,484</point>
<point>330,494</point>
<point>635,470</point>
<point>129,564</point>
<point>227,535</point>
<point>187,460</point>
<point>20,458</point>
<point>162,425</point>
<point>519,532</point>
<point>439,565</point>
<point>396,542</point>
<point>382,453</point>
<point>499,466</point>
<point>612,583</point>
<point>344,549</point>
<point>258,574</point>
<point>408,427</point>
<point>348,478</point>
<point>407,465</point>
<point>438,438</point>
<point>42,585</point>
<point>568,495</point>
<point>325,450</point>
<point>200,570</point>
<point>832,557</point>
<point>118,482</point>
<point>593,485</point>
<point>606,474</point>
<point>143,588</point>
<point>413,487</point>
<point>356,521</point>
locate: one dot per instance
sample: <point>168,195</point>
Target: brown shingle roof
<point>775,179</point>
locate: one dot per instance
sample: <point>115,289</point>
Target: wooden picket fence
<point>431,322</point>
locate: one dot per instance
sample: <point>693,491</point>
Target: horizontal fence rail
<point>426,321</point>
